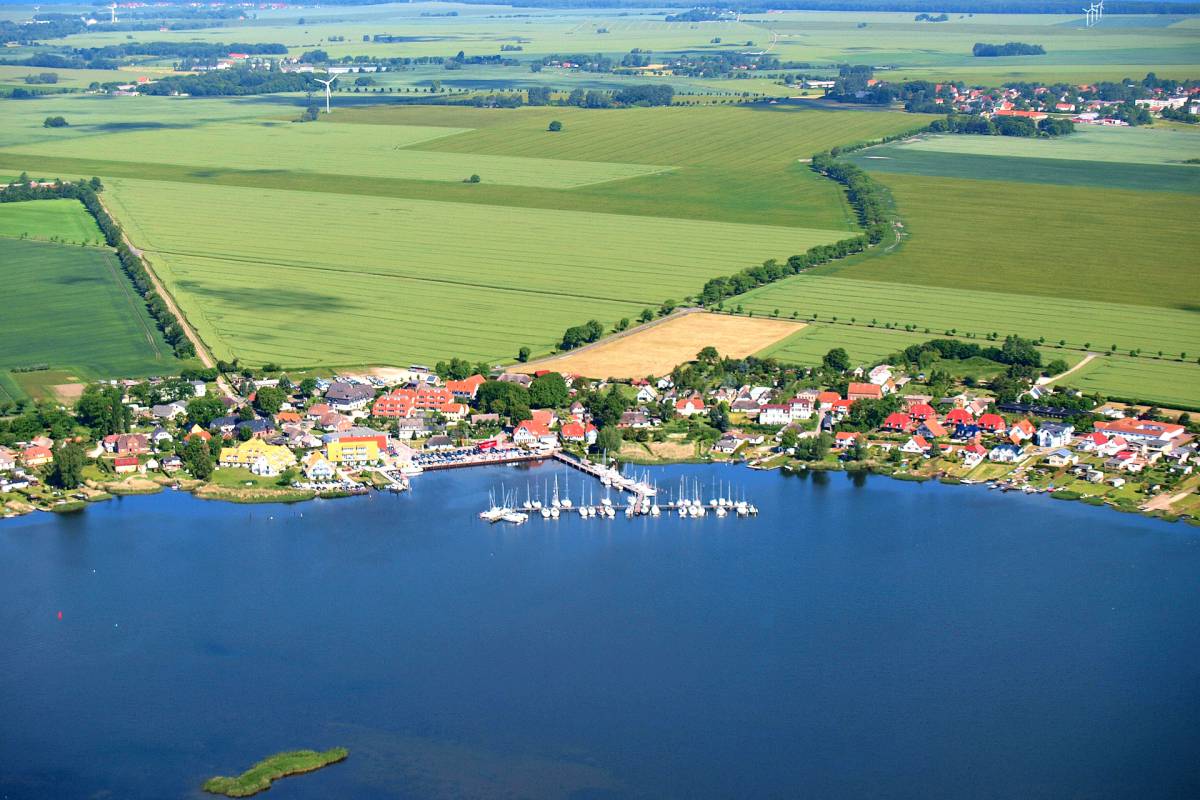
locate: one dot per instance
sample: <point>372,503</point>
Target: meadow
<point>1042,241</point>
<point>1145,145</point>
<point>62,220</point>
<point>71,308</point>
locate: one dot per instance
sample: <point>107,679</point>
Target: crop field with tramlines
<point>1042,241</point>
<point>319,278</point>
<point>64,221</point>
<point>1167,382</point>
<point>1094,324</point>
<point>72,308</point>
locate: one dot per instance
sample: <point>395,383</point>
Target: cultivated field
<point>657,349</point>
<point>1042,241</point>
<point>374,150</point>
<point>346,280</point>
<point>1087,143</point>
<point>1168,383</point>
<point>62,220</point>
<point>72,308</point>
<point>1097,324</point>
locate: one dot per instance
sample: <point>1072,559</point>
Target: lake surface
<point>860,638</point>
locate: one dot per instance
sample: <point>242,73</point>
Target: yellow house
<point>353,450</point>
<point>247,454</point>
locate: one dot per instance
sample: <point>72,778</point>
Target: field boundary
<point>617,336</point>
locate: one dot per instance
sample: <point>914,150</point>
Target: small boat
<point>515,517</point>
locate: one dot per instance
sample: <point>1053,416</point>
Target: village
<point>269,439</point>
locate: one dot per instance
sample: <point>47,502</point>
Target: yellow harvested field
<point>657,349</point>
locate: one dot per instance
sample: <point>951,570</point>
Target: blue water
<point>861,638</point>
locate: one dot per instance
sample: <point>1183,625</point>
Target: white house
<point>1005,454</point>
<point>775,414</point>
<point>1061,458</point>
<point>1054,434</point>
<point>880,375</point>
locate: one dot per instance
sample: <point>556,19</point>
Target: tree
<point>268,400</point>
<point>472,179</point>
<point>504,398</point>
<point>203,410</point>
<point>555,126</point>
<point>197,457</point>
<point>55,122</point>
<point>548,391</point>
<point>523,355</point>
<point>718,416</point>
<point>308,387</point>
<point>68,466</point>
<point>708,356</point>
<point>646,315</point>
<point>609,439</point>
<point>837,359</point>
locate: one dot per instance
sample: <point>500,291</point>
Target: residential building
<point>1142,430</point>
<point>246,454</point>
<point>865,391</point>
<point>1054,434</point>
<point>343,396</point>
<point>584,432</point>
<point>775,414</point>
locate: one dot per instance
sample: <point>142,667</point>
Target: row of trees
<point>866,195</point>
<point>579,335</point>
<point>983,50</point>
<point>1002,126</point>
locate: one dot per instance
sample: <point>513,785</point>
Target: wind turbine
<point>328,92</point>
<point>113,11</point>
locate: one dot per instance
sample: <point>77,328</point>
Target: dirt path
<point>202,351</point>
<point>1163,502</point>
<point>1086,360</point>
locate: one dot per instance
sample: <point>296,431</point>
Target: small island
<point>260,776</point>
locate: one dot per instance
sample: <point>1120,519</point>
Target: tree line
<point>983,50</point>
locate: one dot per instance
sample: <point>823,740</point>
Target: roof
<point>875,390</point>
<point>828,397</point>
<point>1141,427</point>
<point>897,419</point>
<point>125,461</point>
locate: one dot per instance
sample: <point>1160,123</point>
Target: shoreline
<point>100,491</point>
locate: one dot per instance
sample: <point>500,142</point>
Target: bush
<point>55,122</point>
<point>555,126</point>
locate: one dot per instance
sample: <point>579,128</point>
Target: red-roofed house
<point>922,411</point>
<point>467,387</point>
<point>825,400</point>
<point>123,465</point>
<point>36,456</point>
<point>531,432</point>
<point>992,423</point>
<point>1142,430</point>
<point>1020,431</point>
<point>842,439</point>
<point>1091,441</point>
<point>896,422</point>
<point>959,416</point>
<point>917,445</point>
<point>579,432</point>
<point>687,406</point>
<point>864,391</point>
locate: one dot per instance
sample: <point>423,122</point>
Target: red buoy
<point>60,615</point>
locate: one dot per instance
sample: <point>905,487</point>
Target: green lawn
<point>1044,241</point>
<point>72,308</point>
<point>61,220</point>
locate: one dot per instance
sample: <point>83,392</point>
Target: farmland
<point>62,220</point>
<point>657,349</point>
<point>72,308</point>
<point>1168,383</point>
<point>1087,143</point>
<point>1094,323</point>
<point>987,235</point>
<point>262,285</point>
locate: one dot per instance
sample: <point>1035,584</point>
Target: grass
<point>72,307</point>
<point>260,776</point>
<point>426,280</point>
<point>60,220</point>
<point>1144,145</point>
<point>1045,241</point>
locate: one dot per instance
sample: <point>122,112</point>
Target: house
<point>972,454</point>
<point>840,409</point>
<point>865,391</point>
<point>199,388</point>
<point>802,406</point>
<point>519,378</point>
<point>225,425</point>
<point>171,464</point>
<point>638,418</point>
<point>1021,431</point>
<point>168,411</point>
<point>959,416</point>
<point>647,394</point>
<point>533,433</point>
<point>347,449</point>
<point>921,411</point>
<point>1091,442</point>
<point>931,429</point>
<point>843,439</point>
<point>247,454</point>
<point>916,445</point>
<point>746,405</point>
<point>992,423</point>
<point>1061,457</point>
<point>343,396</point>
<point>36,455</point>
<point>259,428</point>
<point>825,400</point>
<point>439,442</point>
<point>485,419</point>
<point>1054,434</point>
<point>123,465</point>
<point>333,421</point>
<point>1142,430</point>
<point>8,460</point>
<point>466,388</point>
<point>578,411</point>
<point>317,410</point>
<point>880,375</point>
<point>196,432</point>
<point>584,432</point>
<point>728,443</point>
<point>287,418</point>
<point>1007,453</point>
<point>415,427</point>
<point>688,406</point>
<point>775,414</point>
<point>896,422</point>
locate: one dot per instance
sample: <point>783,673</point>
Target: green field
<point>72,308</point>
<point>1145,145</point>
<point>1095,323</point>
<point>63,220</point>
<point>1043,241</point>
<point>346,279</point>
<point>1166,382</point>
